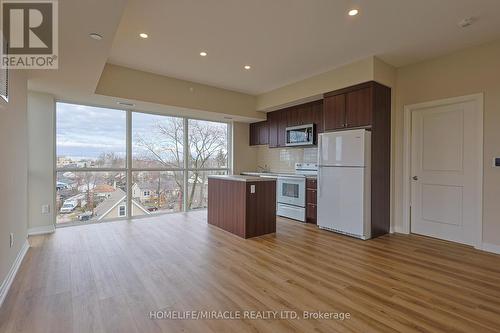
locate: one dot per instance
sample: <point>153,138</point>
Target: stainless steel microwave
<point>302,135</point>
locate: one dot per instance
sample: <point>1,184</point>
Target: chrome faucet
<point>265,168</point>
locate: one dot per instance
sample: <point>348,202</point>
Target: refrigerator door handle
<point>318,183</point>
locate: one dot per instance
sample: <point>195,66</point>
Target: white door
<point>444,171</point>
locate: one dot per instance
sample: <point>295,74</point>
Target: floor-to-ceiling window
<point>207,155</point>
<point>116,163</point>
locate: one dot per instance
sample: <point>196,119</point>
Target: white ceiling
<point>289,40</point>
<point>81,59</point>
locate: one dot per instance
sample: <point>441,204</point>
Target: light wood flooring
<point>108,277</point>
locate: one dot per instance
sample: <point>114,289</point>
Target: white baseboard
<point>46,229</point>
<point>493,248</point>
<point>400,230</point>
<point>4,288</point>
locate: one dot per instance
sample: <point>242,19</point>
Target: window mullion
<point>129,164</point>
<point>186,165</point>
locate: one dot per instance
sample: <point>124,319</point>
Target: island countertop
<point>242,178</point>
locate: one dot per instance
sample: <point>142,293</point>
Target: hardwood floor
<point>108,277</point>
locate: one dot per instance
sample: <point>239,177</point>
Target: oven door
<point>292,191</point>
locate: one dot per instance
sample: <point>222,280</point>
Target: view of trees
<point>207,149</point>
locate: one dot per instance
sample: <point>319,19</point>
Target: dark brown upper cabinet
<point>317,115</point>
<point>350,107</point>
<point>254,134</point>
<point>272,123</point>
<point>263,133</point>
<point>293,116</point>
<point>277,124</point>
<point>259,133</point>
<point>334,112</point>
<point>359,108</point>
<point>282,125</point>
<point>278,121</point>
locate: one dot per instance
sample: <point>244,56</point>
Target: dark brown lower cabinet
<point>311,210</point>
<point>311,200</point>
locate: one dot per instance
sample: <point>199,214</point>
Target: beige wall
<point>244,156</point>
<point>344,76</point>
<point>132,84</point>
<point>41,114</point>
<point>14,167</point>
<point>469,71</point>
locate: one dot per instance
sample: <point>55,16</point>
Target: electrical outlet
<point>11,240</point>
<point>252,188</point>
<point>45,209</point>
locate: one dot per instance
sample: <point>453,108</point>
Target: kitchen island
<point>242,205</point>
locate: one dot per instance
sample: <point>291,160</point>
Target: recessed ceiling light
<point>125,104</point>
<point>95,36</point>
<point>203,53</point>
<point>143,35</point>
<point>247,67</point>
<point>353,12</point>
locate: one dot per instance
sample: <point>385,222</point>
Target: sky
<point>85,132</point>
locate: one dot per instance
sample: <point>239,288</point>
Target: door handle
<point>415,177</point>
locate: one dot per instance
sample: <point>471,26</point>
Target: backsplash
<point>284,159</point>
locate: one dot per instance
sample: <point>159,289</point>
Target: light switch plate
<point>252,188</point>
<point>45,209</point>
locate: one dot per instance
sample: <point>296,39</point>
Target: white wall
<point>41,114</point>
<point>14,171</point>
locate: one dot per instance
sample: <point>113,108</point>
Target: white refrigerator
<point>344,201</point>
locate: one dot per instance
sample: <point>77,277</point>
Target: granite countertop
<point>242,178</point>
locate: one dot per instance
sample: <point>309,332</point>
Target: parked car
<point>61,186</point>
<point>85,216</point>
<point>68,207</point>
